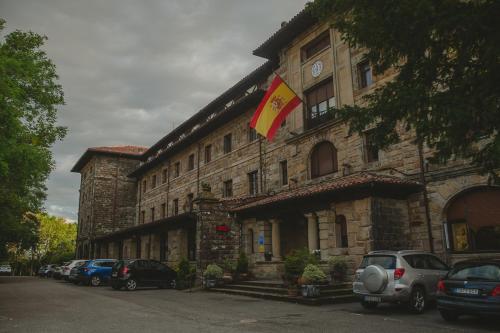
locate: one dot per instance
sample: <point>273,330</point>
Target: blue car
<point>470,288</point>
<point>96,272</point>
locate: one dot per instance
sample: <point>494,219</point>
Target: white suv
<point>5,270</point>
<point>398,276</point>
<point>66,269</point>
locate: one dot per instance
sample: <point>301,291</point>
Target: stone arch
<point>322,159</point>
<point>472,220</point>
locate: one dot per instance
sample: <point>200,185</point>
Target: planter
<point>227,278</point>
<point>268,256</point>
<point>292,292</point>
<point>210,283</point>
<point>310,290</point>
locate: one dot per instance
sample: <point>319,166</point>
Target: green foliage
<point>338,264</point>
<point>186,274</point>
<point>29,95</point>
<point>295,263</point>
<point>445,87</point>
<point>242,264</point>
<point>313,275</point>
<point>213,271</point>
<point>57,239</point>
<point>229,265</point>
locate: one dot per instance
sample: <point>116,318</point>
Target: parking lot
<point>46,305</point>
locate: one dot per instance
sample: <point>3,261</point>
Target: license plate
<point>466,291</point>
<point>372,299</point>
<point>115,274</point>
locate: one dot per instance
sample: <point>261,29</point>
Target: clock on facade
<point>316,68</point>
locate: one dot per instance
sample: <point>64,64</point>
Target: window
<point>252,134</point>
<point>163,210</point>
<point>208,153</point>
<point>473,221</point>
<point>253,185</point>
<point>153,181</point>
<point>341,231</point>
<point>152,214</point>
<point>317,45</point>
<point>386,261</point>
<point>284,172</point>
<point>143,217</point>
<point>250,241</point>
<point>177,169</point>
<point>191,162</point>
<point>364,74</point>
<point>371,149</point>
<point>227,143</point>
<point>228,189</point>
<point>144,183</point>
<point>164,175</point>
<point>320,100</point>
<point>189,202</point>
<point>175,207</point>
<point>323,159</point>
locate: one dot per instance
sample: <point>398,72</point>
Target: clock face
<point>316,68</point>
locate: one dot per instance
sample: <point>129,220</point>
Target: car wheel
<point>95,281</point>
<point>369,305</point>
<point>131,285</point>
<point>449,315</point>
<point>418,300</point>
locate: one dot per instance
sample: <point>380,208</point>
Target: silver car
<point>409,277</point>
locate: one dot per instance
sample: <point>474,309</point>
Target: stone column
<point>312,231</point>
<point>326,223</point>
<point>276,239</point>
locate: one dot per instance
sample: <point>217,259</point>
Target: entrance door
<point>293,233</point>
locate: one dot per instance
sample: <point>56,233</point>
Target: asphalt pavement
<point>46,305</point>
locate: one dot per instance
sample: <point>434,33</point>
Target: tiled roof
<point>339,184</point>
<point>134,152</point>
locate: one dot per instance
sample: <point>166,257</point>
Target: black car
<point>471,287</point>
<point>141,272</point>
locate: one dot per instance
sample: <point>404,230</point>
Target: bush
<point>338,264</point>
<point>229,266</point>
<point>185,274</point>
<point>295,263</point>
<point>213,272</point>
<point>313,275</point>
<point>242,264</point>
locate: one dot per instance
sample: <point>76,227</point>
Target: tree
<point>446,54</point>
<point>29,96</point>
<point>56,239</point>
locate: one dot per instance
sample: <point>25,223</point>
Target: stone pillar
<point>276,239</point>
<point>312,231</point>
<point>326,224</point>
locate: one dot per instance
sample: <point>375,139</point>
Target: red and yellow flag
<point>278,102</point>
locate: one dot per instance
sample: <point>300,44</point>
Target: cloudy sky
<point>131,70</point>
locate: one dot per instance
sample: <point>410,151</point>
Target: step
<point>263,283</point>
<point>286,298</point>
<point>257,288</point>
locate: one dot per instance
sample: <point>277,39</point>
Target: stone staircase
<point>274,290</point>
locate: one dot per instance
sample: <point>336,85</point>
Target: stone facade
<point>158,210</point>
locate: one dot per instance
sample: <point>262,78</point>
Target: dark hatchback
<point>130,274</point>
<point>470,288</point>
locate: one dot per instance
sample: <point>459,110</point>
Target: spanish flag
<point>278,102</point>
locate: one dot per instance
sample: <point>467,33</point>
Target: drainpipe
<point>425,194</point>
<point>261,162</point>
<point>198,170</point>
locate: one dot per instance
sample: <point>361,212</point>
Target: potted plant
<point>185,275</point>
<point>295,263</point>
<point>242,266</point>
<point>312,278</point>
<point>338,268</point>
<point>268,256</point>
<point>229,269</point>
<point>212,274</point>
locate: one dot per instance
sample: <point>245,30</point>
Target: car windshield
<point>386,261</point>
<point>479,272</point>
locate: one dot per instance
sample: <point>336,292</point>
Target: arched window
<point>323,159</point>
<point>341,231</point>
<point>473,221</point>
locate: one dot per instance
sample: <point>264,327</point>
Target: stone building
<point>212,187</point>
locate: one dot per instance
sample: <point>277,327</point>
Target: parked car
<point>57,273</point>
<point>408,277</point>
<point>73,273</point>
<point>46,270</point>
<point>66,269</point>
<point>5,269</point>
<point>471,287</point>
<point>130,274</point>
<point>95,272</point>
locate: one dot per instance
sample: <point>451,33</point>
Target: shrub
<point>213,272</point>
<point>313,275</point>
<point>242,264</point>
<point>338,264</point>
<point>229,265</point>
<point>295,263</point>
<point>185,274</point>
